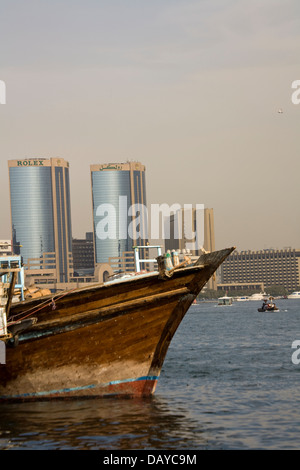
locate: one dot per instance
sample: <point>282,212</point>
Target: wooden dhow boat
<point>105,340</point>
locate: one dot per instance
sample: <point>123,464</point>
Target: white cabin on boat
<point>225,300</point>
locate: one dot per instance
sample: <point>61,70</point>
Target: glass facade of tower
<point>114,191</point>
<point>40,212</point>
<point>63,217</point>
<point>32,211</point>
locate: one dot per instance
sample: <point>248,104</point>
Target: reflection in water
<point>97,424</point>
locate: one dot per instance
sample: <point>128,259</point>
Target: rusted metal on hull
<point>106,340</point>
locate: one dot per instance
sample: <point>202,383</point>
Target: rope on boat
<point>44,304</point>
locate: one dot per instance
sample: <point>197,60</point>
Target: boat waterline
<point>133,386</point>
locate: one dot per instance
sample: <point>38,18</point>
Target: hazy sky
<point>189,88</point>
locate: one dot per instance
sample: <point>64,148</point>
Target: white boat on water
<point>261,296</point>
<point>244,298</point>
<point>294,295</point>
<point>225,300</point>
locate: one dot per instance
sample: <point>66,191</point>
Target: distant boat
<point>225,300</point>
<point>261,296</point>
<point>242,299</point>
<point>294,295</point>
<point>268,306</point>
<point>109,339</point>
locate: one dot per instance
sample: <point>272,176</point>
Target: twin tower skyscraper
<point>40,198</point>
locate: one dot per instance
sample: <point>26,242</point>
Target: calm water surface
<point>228,382</point>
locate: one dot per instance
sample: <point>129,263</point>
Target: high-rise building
<point>118,192</point>
<point>209,230</point>
<point>184,231</point>
<point>83,254</point>
<point>179,225</point>
<point>41,215</point>
<point>272,267</point>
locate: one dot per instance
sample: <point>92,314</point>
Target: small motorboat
<point>268,306</point>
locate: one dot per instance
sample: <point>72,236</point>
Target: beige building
<point>271,267</point>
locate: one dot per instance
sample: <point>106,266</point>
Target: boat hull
<point>268,309</point>
<point>102,341</point>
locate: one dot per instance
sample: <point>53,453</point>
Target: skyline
<point>192,90</point>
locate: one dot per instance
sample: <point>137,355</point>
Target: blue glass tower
<point>41,214</point>
<point>119,202</point>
